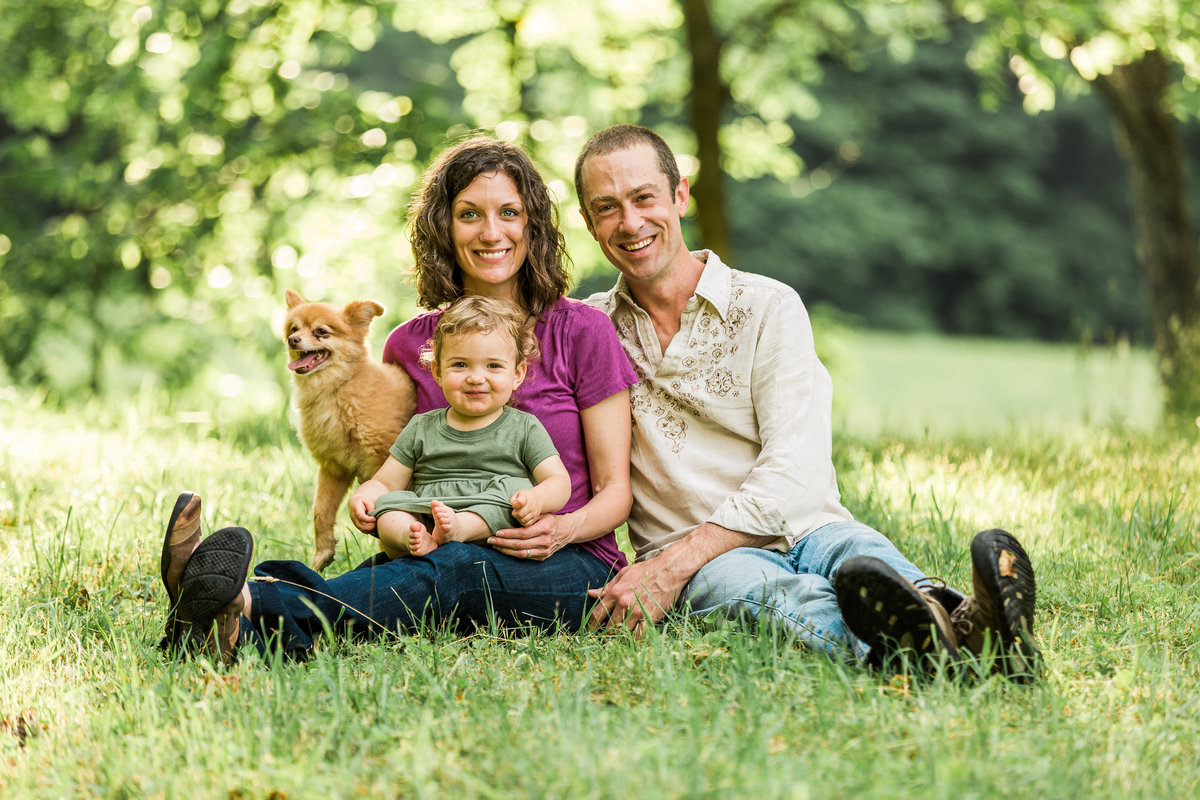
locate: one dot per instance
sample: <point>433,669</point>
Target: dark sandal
<point>172,563</point>
<point>213,578</point>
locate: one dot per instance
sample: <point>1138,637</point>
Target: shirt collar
<point>714,286</point>
<point>715,282</point>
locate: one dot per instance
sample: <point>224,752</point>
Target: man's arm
<point>793,478</point>
<point>647,590</point>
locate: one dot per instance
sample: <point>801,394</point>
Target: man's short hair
<point>619,137</point>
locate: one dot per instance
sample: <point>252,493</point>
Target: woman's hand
<point>535,542</point>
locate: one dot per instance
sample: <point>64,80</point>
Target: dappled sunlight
<point>1082,501</point>
<point>69,483</point>
<point>954,493</point>
<point>1108,518</point>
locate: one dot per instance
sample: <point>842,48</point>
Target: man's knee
<point>737,574</point>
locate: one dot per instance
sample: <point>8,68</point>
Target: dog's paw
<point>322,558</point>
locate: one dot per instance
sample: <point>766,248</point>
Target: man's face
<point>633,213</point>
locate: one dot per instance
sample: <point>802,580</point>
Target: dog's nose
<point>294,342</point>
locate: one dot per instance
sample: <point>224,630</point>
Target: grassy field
<point>915,384</point>
<point>88,708</point>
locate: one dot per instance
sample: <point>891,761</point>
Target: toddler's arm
<point>551,492</point>
<point>391,477</point>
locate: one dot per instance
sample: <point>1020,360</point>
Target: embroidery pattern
<point>709,371</point>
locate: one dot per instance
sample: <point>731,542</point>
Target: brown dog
<point>351,407</point>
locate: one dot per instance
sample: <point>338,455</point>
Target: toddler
<point>465,470</point>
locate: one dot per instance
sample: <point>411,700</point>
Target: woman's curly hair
<point>541,280</point>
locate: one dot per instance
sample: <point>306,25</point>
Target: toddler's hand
<point>526,507</point>
<point>360,513</point>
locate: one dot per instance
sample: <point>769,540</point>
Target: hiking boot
<point>891,615</point>
<point>211,596</point>
<point>998,618</point>
<point>179,542</point>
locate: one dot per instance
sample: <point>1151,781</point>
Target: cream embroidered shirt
<point>732,424</point>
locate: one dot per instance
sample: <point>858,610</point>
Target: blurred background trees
<point>1143,58</point>
<point>167,169</point>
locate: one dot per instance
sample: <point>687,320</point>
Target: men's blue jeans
<point>460,585</point>
<point>793,589</point>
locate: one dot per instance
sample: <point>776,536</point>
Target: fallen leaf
<point>231,681</point>
<point>23,727</point>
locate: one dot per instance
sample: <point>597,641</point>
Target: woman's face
<point>488,228</point>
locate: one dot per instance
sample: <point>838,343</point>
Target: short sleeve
<point>404,449</point>
<point>536,444</point>
<point>599,363</point>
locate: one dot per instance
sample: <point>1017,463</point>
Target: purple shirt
<point>582,363</point>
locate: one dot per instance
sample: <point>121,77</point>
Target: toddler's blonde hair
<point>479,314</point>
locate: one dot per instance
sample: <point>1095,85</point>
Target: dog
<point>350,408</point>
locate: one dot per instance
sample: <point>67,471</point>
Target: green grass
<point>913,383</point>
<point>88,708</point>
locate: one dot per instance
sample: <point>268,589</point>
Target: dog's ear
<point>361,312</point>
<point>292,298</point>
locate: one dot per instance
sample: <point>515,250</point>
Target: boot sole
<point>212,579</point>
<point>1012,590</point>
<point>887,612</point>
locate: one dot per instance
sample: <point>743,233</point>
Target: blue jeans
<point>459,585</point>
<point>793,590</point>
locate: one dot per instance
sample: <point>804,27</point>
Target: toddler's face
<point>478,372</point>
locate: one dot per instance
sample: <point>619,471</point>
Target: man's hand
<point>644,592</point>
<point>639,594</point>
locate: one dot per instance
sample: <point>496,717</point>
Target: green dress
<point>475,471</point>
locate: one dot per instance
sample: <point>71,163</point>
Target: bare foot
<point>420,541</point>
<point>399,532</point>
<point>443,521</point>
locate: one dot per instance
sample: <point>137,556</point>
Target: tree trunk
<point>1136,93</point>
<point>709,95</point>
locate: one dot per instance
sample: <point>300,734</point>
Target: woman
<point>483,223</point>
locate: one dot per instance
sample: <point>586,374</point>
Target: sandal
<point>179,543</point>
<point>208,616</point>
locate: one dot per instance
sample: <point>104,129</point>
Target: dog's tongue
<point>305,361</point>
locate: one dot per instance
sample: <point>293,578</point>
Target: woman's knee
<point>459,567</point>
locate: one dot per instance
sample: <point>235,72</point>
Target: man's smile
<point>640,244</point>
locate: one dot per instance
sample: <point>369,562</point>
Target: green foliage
<point>191,159</point>
<point>1142,57</point>
<point>1059,45</point>
<point>920,212</point>
<point>167,171</point>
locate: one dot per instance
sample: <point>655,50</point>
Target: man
<point>736,507</point>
